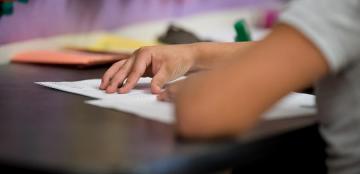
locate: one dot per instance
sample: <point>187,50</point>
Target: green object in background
<point>7,8</point>
<point>23,1</point>
<point>0,9</point>
<point>242,31</point>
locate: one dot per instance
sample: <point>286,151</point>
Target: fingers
<point>137,71</point>
<point>163,96</point>
<point>130,70</point>
<point>169,94</point>
<point>109,74</point>
<point>158,61</point>
<point>120,76</point>
<point>159,80</point>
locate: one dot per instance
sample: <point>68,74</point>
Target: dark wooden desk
<point>50,131</point>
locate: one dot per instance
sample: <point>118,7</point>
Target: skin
<point>158,62</point>
<point>245,80</point>
<point>163,65</point>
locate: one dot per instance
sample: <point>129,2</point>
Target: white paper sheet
<point>148,107</point>
<point>295,104</point>
<point>90,88</point>
<point>142,103</point>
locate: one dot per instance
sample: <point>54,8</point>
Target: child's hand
<point>170,92</point>
<point>163,63</point>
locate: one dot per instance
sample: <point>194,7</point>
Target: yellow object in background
<point>97,42</point>
<point>115,44</point>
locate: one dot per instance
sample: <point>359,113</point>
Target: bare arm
<point>230,100</point>
<point>208,55</point>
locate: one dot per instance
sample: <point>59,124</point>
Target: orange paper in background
<point>66,57</point>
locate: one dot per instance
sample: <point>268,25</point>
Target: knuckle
<point>144,50</point>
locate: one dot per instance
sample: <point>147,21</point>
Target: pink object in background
<point>77,58</point>
<point>268,18</point>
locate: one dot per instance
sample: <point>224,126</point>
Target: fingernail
<point>124,89</point>
<point>156,89</point>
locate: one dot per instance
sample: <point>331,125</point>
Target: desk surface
<point>48,130</point>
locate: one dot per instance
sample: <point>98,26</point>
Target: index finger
<point>138,69</point>
<point>105,80</point>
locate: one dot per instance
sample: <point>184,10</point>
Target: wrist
<point>196,56</point>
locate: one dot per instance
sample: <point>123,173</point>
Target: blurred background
<point>39,18</point>
<point>35,24</point>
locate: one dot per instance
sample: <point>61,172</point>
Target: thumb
<point>159,80</point>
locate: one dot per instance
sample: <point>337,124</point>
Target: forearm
<point>229,100</point>
<point>209,54</point>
